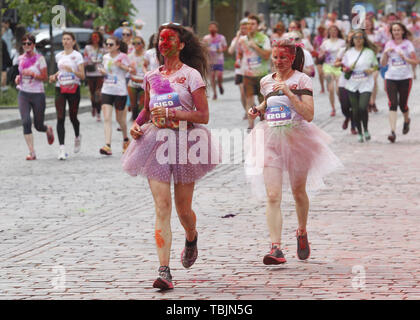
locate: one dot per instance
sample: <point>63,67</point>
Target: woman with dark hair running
<point>29,82</point>
<point>287,146</point>
<point>114,91</point>
<point>71,70</point>
<point>93,55</point>
<point>399,54</point>
<point>150,57</point>
<point>176,103</point>
<point>360,61</point>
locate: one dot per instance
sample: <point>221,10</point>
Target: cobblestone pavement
<point>83,229</point>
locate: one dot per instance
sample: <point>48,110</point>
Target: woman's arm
<point>200,115</point>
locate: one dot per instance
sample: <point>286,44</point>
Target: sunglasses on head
<point>171,23</point>
<point>27,43</point>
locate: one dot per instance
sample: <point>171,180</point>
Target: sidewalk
<point>10,117</point>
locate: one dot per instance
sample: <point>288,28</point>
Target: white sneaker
<point>62,155</point>
<point>77,143</point>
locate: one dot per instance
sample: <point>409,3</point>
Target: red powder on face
<point>168,42</point>
<point>159,239</point>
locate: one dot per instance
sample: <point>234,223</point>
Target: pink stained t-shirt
<point>215,43</point>
<point>28,83</point>
<point>282,104</point>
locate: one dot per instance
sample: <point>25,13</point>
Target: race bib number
<point>359,76</point>
<point>111,79</point>
<point>66,78</point>
<point>214,47</point>
<point>254,62</point>
<point>27,79</point>
<point>398,62</point>
<point>167,100</point>
<point>278,116</point>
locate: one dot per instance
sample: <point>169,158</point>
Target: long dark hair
<point>194,53</point>
<point>101,39</point>
<point>367,43</point>
<point>299,61</point>
<point>406,33</point>
<point>123,46</point>
<point>71,34</point>
<point>152,41</point>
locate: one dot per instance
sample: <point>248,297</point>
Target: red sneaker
<point>50,135</point>
<point>274,257</point>
<point>303,249</point>
<point>164,281</point>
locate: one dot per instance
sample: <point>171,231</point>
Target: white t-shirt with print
<point>359,80</point>
<point>72,60</point>
<point>280,110</point>
<point>331,49</point>
<point>398,68</point>
<point>114,81</point>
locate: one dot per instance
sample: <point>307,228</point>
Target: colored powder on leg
<point>159,239</point>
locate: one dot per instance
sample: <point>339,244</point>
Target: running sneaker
<point>274,257</point>
<point>392,137</point>
<point>222,91</point>
<point>62,155</point>
<point>367,136</point>
<point>31,156</point>
<point>164,281</point>
<point>345,123</point>
<point>190,253</point>
<point>303,250</point>
<point>360,139</point>
<point>50,135</point>
<point>77,143</point>
<point>105,150</point>
<point>353,131</point>
<point>406,127</point>
<point>125,145</point>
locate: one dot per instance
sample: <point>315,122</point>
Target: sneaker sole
<point>162,284</point>
<point>105,153</point>
<point>269,260</point>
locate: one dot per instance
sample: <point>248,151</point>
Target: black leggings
<point>136,101</point>
<point>343,96</point>
<point>60,107</point>
<point>398,92</point>
<point>36,102</point>
<point>359,103</point>
<point>95,87</point>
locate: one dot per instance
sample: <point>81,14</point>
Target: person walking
<point>399,55</point>
<point>293,147</point>
<point>359,63</point>
<point>255,50</point>
<point>318,40</point>
<point>135,85</point>
<point>176,103</point>
<point>114,91</point>
<point>29,82</point>
<point>71,70</point>
<point>216,44</point>
<point>329,51</point>
<point>93,55</point>
<point>239,73</point>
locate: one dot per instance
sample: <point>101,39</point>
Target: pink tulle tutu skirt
<point>159,154</point>
<point>299,151</point>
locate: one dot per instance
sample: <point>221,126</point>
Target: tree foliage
<point>295,8</point>
<point>113,12</point>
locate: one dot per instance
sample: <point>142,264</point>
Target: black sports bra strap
<point>298,92</point>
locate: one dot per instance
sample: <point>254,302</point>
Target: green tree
<point>113,12</point>
<point>33,12</point>
<point>295,8</point>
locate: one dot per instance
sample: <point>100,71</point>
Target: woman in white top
<point>399,54</point>
<point>71,70</point>
<point>114,90</point>
<point>329,50</point>
<point>150,57</point>
<point>360,61</point>
<point>135,84</point>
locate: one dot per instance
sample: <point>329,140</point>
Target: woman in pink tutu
<point>292,148</point>
<point>176,103</point>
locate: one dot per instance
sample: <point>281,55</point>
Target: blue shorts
<point>216,67</point>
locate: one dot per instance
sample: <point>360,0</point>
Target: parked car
<point>43,43</point>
